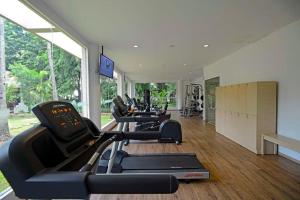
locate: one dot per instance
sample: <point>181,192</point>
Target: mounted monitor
<point>106,66</point>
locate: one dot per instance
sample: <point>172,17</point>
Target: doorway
<point>210,99</point>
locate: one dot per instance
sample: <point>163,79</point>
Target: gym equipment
<point>118,101</point>
<point>193,101</point>
<point>152,124</point>
<point>133,104</point>
<point>58,159</point>
<point>181,165</point>
<point>147,101</point>
<point>125,109</point>
<point>166,129</point>
<point>130,102</point>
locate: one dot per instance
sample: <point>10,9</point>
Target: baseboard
<point>289,158</point>
<point>8,194</point>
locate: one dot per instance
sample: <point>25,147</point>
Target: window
<point>35,70</point>
<point>108,93</point>
<point>160,93</point>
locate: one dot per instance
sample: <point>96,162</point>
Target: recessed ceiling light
<point>206,45</point>
<point>184,64</point>
<point>171,45</point>
<point>135,46</point>
<point>140,65</point>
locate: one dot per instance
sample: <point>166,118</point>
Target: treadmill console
<point>61,118</point>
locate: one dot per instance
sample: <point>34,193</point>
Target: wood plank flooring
<point>236,173</point>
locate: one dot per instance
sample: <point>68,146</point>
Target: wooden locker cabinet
<point>242,89</point>
<point>246,111</point>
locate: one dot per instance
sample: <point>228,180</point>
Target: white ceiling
<point>154,25</point>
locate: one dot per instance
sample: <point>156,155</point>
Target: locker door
<point>251,99</point>
<point>242,90</point>
<point>235,99</point>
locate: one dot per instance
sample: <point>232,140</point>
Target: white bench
<point>279,140</point>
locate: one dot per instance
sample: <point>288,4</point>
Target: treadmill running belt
<point>160,162</point>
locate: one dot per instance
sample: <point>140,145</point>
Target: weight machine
<point>193,101</point>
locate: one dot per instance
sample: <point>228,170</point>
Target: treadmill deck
<point>182,166</point>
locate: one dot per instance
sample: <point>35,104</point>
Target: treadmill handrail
<point>142,135</point>
<point>143,113</point>
<point>93,160</point>
<point>55,185</point>
<point>146,119</point>
<point>139,119</point>
<point>75,185</point>
<point>132,184</point>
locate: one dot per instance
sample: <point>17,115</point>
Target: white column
<point>121,85</point>
<point>91,85</point>
<point>131,89</point>
<point>179,94</point>
<point>85,83</point>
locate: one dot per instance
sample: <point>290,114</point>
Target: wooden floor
<point>236,173</point>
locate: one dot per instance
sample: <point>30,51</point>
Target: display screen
<point>61,118</point>
<point>106,66</point>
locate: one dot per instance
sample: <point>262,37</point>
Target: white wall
<point>199,80</point>
<point>277,58</point>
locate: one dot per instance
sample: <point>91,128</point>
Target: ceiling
<point>171,33</point>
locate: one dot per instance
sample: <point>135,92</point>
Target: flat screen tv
<point>106,66</point>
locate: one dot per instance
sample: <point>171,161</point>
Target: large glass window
<point>108,92</point>
<point>160,93</point>
<point>33,70</point>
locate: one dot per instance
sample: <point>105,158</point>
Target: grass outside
<point>3,183</point>
<point>20,122</point>
<point>172,105</point>
<point>106,118</point>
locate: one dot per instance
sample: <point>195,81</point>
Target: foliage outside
<point>108,92</point>
<point>28,70</point>
<point>160,93</point>
<point>28,77</point>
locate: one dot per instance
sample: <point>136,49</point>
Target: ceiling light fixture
<point>135,46</point>
<point>206,45</point>
<point>184,64</point>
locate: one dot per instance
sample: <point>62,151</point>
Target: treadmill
<point>59,116</point>
<point>168,131</point>
<point>184,166</point>
<point>155,118</point>
<point>64,122</point>
<point>58,160</point>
